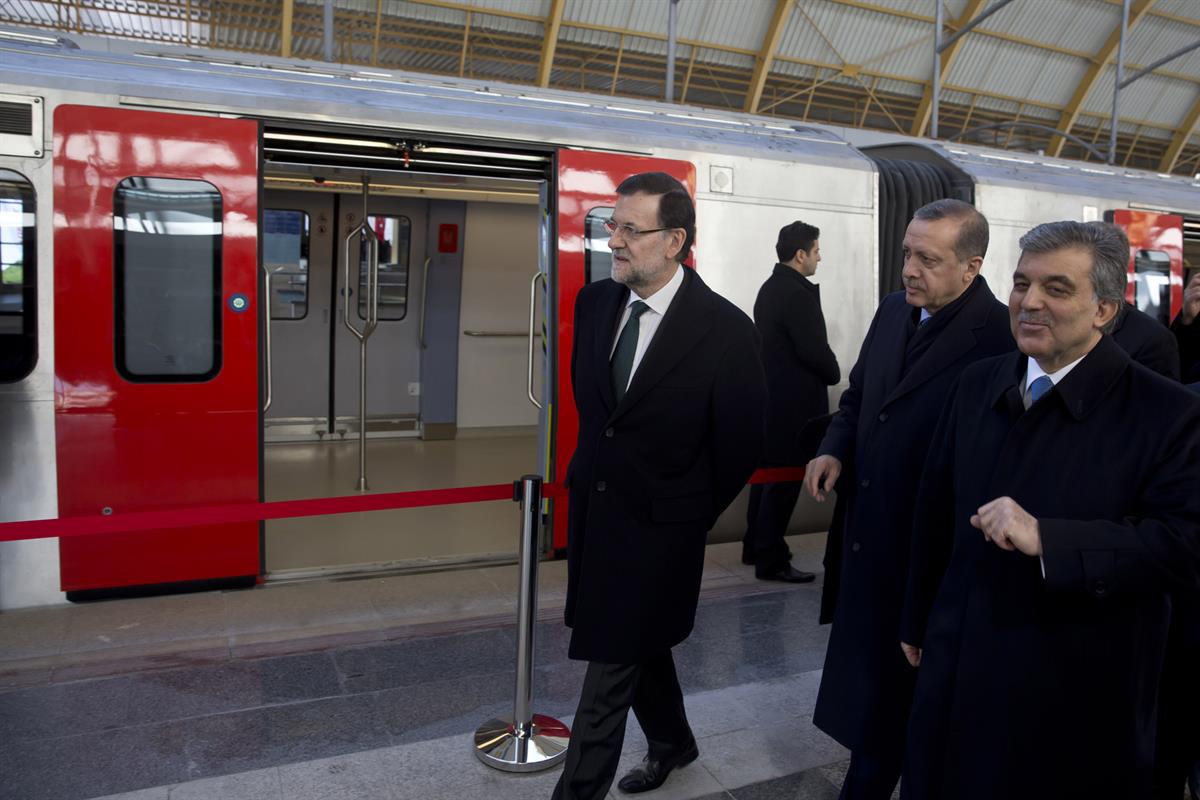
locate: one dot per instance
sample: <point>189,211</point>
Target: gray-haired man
<point>1059,506</point>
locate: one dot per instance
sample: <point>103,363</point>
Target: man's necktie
<point>1039,387</point>
<point>622,357</point>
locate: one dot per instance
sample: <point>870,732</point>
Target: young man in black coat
<point>799,366</point>
<point>918,343</point>
<point>1060,506</point>
<point>671,398</point>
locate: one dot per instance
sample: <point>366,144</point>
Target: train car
<point>197,247</point>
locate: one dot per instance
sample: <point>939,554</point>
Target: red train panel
<point>156,338</point>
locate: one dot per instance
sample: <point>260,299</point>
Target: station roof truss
<point>853,63</point>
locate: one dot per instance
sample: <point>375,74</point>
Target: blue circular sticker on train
<point>238,303</point>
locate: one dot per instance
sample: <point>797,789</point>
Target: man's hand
<point>820,475</point>
<point>1191,300</point>
<point>913,654</point>
<point>1008,526</point>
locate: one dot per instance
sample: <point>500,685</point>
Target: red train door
<point>155,339</point>
<point>1155,261</point>
<point>587,190</point>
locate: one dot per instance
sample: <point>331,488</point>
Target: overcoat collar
<point>951,343</point>
<point>1084,387</point>
<point>784,271</point>
<point>681,329</point>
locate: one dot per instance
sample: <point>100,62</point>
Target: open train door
<point>587,190</point>
<point>155,340</point>
<point>1155,261</point>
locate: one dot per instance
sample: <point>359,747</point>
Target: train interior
<point>460,233</point>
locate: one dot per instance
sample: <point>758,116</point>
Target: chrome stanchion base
<point>498,744</point>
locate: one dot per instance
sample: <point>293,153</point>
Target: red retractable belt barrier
<point>289,509</point>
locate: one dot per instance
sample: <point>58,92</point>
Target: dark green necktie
<point>622,357</point>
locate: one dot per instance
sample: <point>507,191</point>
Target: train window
<point>167,275</point>
<point>597,258</point>
<point>1152,288</point>
<point>18,277</point>
<point>395,235</point>
<point>285,256</point>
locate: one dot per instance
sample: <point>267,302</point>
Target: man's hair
<point>1107,244</point>
<point>793,238</point>
<point>675,209</point>
<point>973,228</point>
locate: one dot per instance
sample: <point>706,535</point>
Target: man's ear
<point>1105,311</point>
<point>973,266</point>
<point>678,236</point>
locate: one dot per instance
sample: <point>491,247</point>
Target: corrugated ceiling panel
<point>1156,38</point>
<point>1183,8</point>
<point>1080,25</point>
<point>882,42</point>
<point>735,24</point>
<point>533,8</point>
<point>801,40</point>
<point>994,66</point>
<point>1155,99</point>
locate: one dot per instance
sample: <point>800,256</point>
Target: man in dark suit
<point>1187,331</point>
<point>1146,340</point>
<point>918,343</point>
<point>671,399</point>
<point>799,366</point>
<point>1059,507</point>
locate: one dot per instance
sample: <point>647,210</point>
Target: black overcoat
<point>1037,687</point>
<point>1147,341</point>
<point>1188,339</point>
<point>799,363</point>
<point>881,434</point>
<point>651,474</point>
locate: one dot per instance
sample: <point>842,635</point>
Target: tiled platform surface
<point>371,688</point>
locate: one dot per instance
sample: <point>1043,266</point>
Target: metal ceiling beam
<point>948,55</point>
<point>1071,110</point>
<point>550,40</point>
<point>1182,135</point>
<point>285,29</point>
<point>766,55</point>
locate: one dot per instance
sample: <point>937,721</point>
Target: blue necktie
<point>1039,387</point>
<point>622,357</point>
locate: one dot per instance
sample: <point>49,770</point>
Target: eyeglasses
<point>628,231</point>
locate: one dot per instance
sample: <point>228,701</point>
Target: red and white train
<point>183,261</point>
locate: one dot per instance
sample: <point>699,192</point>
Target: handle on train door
<point>372,281</point>
<point>424,297</point>
<point>538,276</point>
<point>266,304</point>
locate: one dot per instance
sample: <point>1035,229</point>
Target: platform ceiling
<point>859,63</point>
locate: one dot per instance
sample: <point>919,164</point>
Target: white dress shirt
<point>1034,371</point>
<point>650,319</point>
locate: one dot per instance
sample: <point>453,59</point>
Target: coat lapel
<point>681,329</point>
<point>609,314</point>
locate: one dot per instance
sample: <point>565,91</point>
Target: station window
<point>285,257</point>
<point>597,258</point>
<point>18,277</point>
<point>1152,284</point>
<point>167,274</point>
<point>395,236</point>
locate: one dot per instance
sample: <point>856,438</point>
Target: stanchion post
<point>525,742</point>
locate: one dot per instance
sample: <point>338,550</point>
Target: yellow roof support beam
<point>550,40</point>
<point>1070,113</point>
<point>285,28</point>
<point>925,109</point>
<point>766,55</point>
<point>1181,137</point>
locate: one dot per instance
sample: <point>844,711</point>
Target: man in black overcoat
<point>918,343</point>
<point>799,366</point>
<point>1146,341</point>
<point>1186,328</point>
<point>671,398</point>
<point>1060,506</point>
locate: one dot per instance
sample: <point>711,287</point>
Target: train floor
<point>371,688</point>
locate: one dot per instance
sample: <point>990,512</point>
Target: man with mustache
<point>672,402</point>
<point>1059,507</point>
<point>918,343</point>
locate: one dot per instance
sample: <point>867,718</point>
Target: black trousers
<point>651,689</point>
<point>767,517</point>
<point>872,776</point>
<point>1177,745</point>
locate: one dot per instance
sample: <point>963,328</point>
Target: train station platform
<point>371,687</point>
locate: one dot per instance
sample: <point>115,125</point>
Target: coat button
<point>866,484</point>
<point>609,432</point>
<point>883,417</point>
<point>856,547</point>
<point>1100,588</point>
<point>601,486</point>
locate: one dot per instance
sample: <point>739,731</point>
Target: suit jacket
<point>651,474</point>
<point>1147,342</point>
<point>797,359</point>
<point>1037,687</point>
<point>881,435</point>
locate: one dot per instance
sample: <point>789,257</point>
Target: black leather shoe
<point>786,573</point>
<point>651,773</point>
